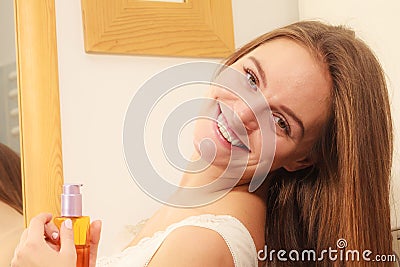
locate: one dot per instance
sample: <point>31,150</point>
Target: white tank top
<point>235,234</point>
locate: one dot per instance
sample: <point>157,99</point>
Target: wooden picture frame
<point>194,28</point>
<point>39,105</point>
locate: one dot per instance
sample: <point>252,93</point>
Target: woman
<point>329,178</point>
<point>11,222</point>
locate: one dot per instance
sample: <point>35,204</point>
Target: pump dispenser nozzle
<point>71,201</point>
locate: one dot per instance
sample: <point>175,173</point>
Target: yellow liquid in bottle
<point>80,226</point>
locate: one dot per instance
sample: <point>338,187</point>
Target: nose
<point>247,115</point>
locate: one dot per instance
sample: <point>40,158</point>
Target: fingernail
<point>54,235</point>
<point>68,224</point>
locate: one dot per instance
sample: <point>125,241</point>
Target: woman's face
<point>297,88</point>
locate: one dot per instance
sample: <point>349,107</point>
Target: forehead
<point>296,78</point>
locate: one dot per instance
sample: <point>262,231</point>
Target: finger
<point>21,241</point>
<point>23,236</point>
<point>53,246</point>
<point>52,233</point>
<point>95,231</point>
<point>36,226</point>
<point>67,238</point>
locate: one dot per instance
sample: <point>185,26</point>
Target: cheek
<point>283,152</point>
<point>200,130</point>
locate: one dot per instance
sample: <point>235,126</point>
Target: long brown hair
<point>10,178</point>
<point>345,194</point>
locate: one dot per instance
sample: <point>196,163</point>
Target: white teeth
<point>235,142</point>
<point>224,132</point>
<point>222,125</point>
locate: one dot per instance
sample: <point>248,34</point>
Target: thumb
<point>95,230</point>
<point>67,238</point>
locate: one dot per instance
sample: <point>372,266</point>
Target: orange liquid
<point>83,254</point>
<point>80,225</point>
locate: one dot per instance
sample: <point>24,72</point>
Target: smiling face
<point>297,87</point>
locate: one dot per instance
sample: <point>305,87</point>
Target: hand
<point>34,251</point>
<point>52,238</point>
<point>42,240</point>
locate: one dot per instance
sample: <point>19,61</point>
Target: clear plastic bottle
<point>71,208</point>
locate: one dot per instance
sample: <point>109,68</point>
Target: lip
<point>222,139</point>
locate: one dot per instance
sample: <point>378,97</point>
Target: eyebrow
<point>289,112</point>
<point>259,69</point>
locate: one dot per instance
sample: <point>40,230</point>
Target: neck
<point>201,173</point>
<point>213,182</point>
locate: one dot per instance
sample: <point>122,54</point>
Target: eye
<point>282,123</point>
<point>251,78</point>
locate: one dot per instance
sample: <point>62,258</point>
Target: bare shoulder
<point>193,246</point>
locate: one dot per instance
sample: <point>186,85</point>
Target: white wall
<point>377,23</point>
<point>95,91</point>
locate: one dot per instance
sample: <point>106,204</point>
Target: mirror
<point>11,222</point>
<point>9,133</point>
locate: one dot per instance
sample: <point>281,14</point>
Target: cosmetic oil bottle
<point>71,208</point>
